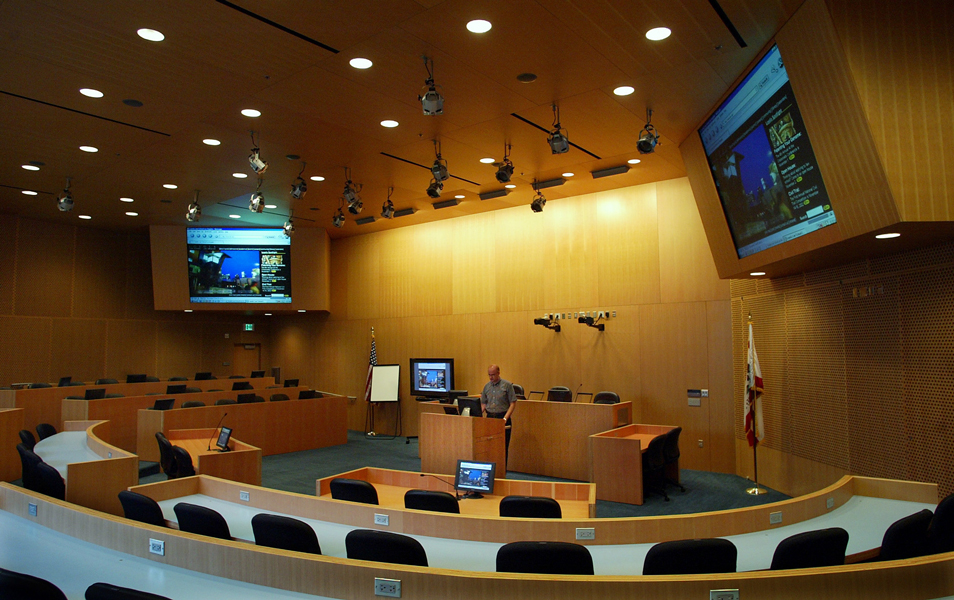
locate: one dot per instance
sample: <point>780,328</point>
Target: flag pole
<point>757,490</point>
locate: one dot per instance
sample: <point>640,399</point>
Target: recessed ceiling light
<point>301,310</point>
<point>235,216</point>
<point>568,175</point>
<point>360,63</point>
<point>268,314</point>
<point>31,167</point>
<point>91,93</point>
<point>126,199</point>
<point>757,273</point>
<point>389,123</point>
<point>271,206</point>
<point>624,90</point>
<point>459,196</point>
<point>170,186</point>
<point>510,186</point>
<point>28,192</point>
<point>488,160</point>
<point>132,214</point>
<point>85,217</point>
<point>187,310</point>
<point>151,34</point>
<point>317,178</point>
<point>479,26</point>
<point>633,161</point>
<point>132,102</point>
<point>887,236</point>
<point>251,112</point>
<point>89,148</point>
<point>211,142</point>
<point>658,33</point>
<point>240,175</point>
<point>526,77</point>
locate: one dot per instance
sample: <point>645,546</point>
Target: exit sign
<point>250,327</point>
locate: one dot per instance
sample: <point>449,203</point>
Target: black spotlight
<point>559,142</point>
<point>339,219</point>
<point>64,201</point>
<point>387,210</point>
<point>648,136</point>
<point>434,190</point>
<point>538,202</point>
<point>505,172</point>
<point>431,100</point>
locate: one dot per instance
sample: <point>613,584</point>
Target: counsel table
<point>243,463</point>
<point>617,464</point>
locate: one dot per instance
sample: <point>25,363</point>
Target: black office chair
<point>819,548</point>
<point>225,401</point>
<point>940,532</point>
<point>384,546</point>
<point>654,463</point>
<point>671,453</point>
<point>167,462</point>
<point>113,396</point>
<point>907,537</point>
<point>193,404</point>
<point>141,508</point>
<point>20,586</point>
<point>353,490</point>
<point>105,381</point>
<point>559,393</point>
<point>49,481</point>
<point>201,520</point>
<point>45,430</point>
<point>39,384</point>
<point>183,462</point>
<point>545,558</point>
<point>236,376</point>
<point>192,390</point>
<point>151,379</point>
<point>518,391</point>
<point>432,501</point>
<point>606,398</point>
<point>530,507</point>
<point>285,533</point>
<point>278,397</point>
<point>691,557</point>
<point>178,379</point>
<point>28,462</point>
<point>108,591</point>
<point>27,439</point>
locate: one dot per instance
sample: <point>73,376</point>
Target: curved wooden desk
<point>243,463</point>
<point>11,422</point>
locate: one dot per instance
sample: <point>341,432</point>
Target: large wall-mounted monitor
<point>230,265</point>
<point>762,162</point>
<point>432,377</point>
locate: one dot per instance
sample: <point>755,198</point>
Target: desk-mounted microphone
<point>445,482</point>
<point>214,430</point>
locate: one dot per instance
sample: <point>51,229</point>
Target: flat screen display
<point>223,442</point>
<point>239,266</point>
<point>763,164</point>
<point>432,377</point>
<point>475,476</point>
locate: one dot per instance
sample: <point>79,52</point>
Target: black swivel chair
<point>105,381</point>
<point>141,508</point>
<point>654,464</point>
<point>353,490</point>
<point>518,390</point>
<point>201,520</point>
<point>192,390</point>
<point>178,379</point>
<point>384,546</point>
<point>907,537</point>
<point>432,501</point>
<point>45,430</point>
<point>940,532</point>
<point>278,397</point>
<point>671,453</point>
<point>606,398</point>
<point>819,548</point>
<point>545,558</point>
<point>19,586</point>
<point>108,591</point>
<point>236,376</point>
<point>559,393</point>
<point>27,439</point>
<point>28,461</point>
<point>691,557</point>
<point>530,507</point>
<point>225,401</point>
<point>166,459</point>
<point>193,404</point>
<point>183,462</point>
<point>39,384</point>
<point>285,533</point>
<point>151,379</point>
<point>49,481</point>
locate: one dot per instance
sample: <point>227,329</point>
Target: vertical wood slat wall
<point>470,287</point>
<point>78,301</point>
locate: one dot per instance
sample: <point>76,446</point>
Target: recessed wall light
<point>126,199</point>
<point>31,167</point>
<point>567,174</point>
<point>624,90</point>
<point>132,214</point>
<point>510,186</point>
<point>360,63</point>
<point>28,192</point>
<point>488,160</point>
<point>235,216</point>
<point>151,34</point>
<point>301,310</point>
<point>211,142</point>
<point>887,236</point>
<point>85,217</point>
<point>633,161</point>
<point>271,206</point>
<point>658,33</point>
<point>479,26</point>
<point>91,93</point>
<point>187,310</point>
<point>389,123</point>
<point>251,112</point>
<point>240,175</point>
<point>170,186</point>
<point>459,196</point>
<point>89,148</point>
<point>317,178</point>
<point>268,314</point>
<point>757,273</point>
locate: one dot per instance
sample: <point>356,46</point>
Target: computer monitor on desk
<point>472,403</point>
<point>257,374</point>
<point>291,383</point>
<point>203,376</point>
<point>177,388</point>
<point>475,478</point>
<point>95,394</point>
<point>136,378</point>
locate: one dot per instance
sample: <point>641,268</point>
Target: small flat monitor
<point>471,402</point>
<point>64,381</point>
<point>291,383</point>
<point>246,398</point>
<point>306,394</point>
<point>95,394</point>
<point>164,404</point>
<point>223,442</point>
<point>203,376</point>
<point>257,374</point>
<point>136,378</point>
<point>475,478</point>
<point>178,388</point>
<point>432,377</point>
<point>241,385</point>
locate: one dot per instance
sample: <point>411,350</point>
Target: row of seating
<point>560,393</point>
<point>663,451</point>
<point>38,476</point>
<point>226,401</point>
<point>20,586</point>
<point>174,461</point>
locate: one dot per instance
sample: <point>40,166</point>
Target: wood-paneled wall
<point>470,287</point>
<point>77,301</point>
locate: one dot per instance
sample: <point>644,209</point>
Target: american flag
<point>373,360</point>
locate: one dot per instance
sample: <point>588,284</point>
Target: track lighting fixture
<point>439,168</point>
<point>548,323</point>
<point>434,190</point>
<point>339,219</point>
<point>288,228</point>
<point>559,142</point>
<point>505,167</point>
<point>256,203</point>
<point>591,322</point>
<point>194,211</point>
<point>648,136</point>
<point>350,195</point>
<point>387,209</point>
<point>255,160</point>
<point>431,100</point>
<point>299,188</point>
<point>64,201</point>
<point>538,202</point>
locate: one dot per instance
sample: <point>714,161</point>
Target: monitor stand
<point>473,495</point>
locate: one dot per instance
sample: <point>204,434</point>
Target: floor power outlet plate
<point>390,588</point>
<point>723,594</point>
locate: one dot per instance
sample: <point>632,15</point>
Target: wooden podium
<point>243,464</point>
<point>444,439</point>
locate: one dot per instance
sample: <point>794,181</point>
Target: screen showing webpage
<point>240,266</point>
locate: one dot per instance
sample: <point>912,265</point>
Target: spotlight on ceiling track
<point>350,195</point>
<point>289,227</point>
<point>256,203</point>
<point>505,167</point>
<point>431,101</point>
<point>64,201</point>
<point>299,188</point>
<point>339,219</point>
<point>548,323</point>
<point>439,168</point>
<point>434,190</point>
<point>538,202</point>
<point>648,136</point>
<point>559,142</point>
<point>194,212</point>
<point>255,160</point>
<point>387,209</point>
<point>591,322</point>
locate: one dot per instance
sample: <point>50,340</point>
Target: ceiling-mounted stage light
<point>339,219</point>
<point>559,142</point>
<point>288,228</point>
<point>299,188</point>
<point>256,203</point>
<point>387,209</point>
<point>350,195</point>
<point>538,202</point>
<point>194,212</point>
<point>255,160</point>
<point>648,136</point>
<point>431,100</point>
<point>434,190</point>
<point>439,168</point>
<point>548,323</point>
<point>505,167</point>
<point>64,201</point>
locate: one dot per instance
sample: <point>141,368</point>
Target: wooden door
<point>246,358</point>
